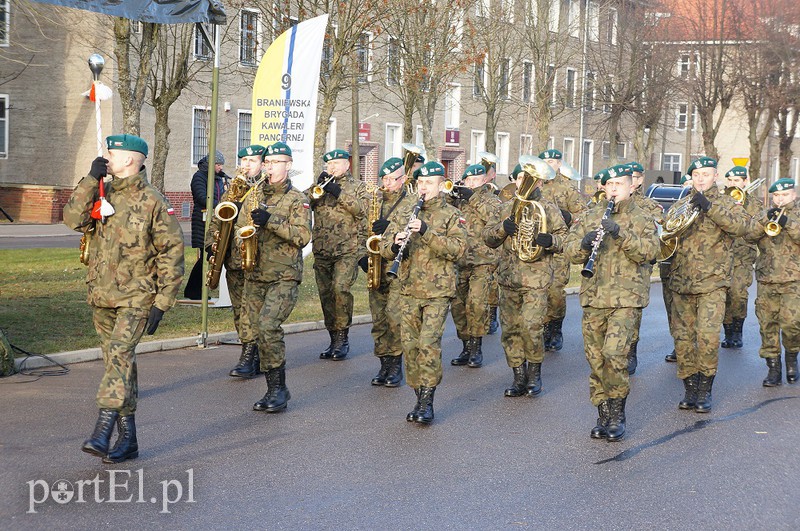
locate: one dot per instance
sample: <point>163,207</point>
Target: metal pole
<point>582,101</point>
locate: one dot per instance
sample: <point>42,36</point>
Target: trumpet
<point>448,186</point>
<point>598,196</point>
<point>772,228</point>
<point>588,269</point>
<point>318,190</point>
<point>399,258</point>
<point>740,194</point>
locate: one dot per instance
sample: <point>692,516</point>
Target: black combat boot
<point>328,352</point>
<point>616,419</point>
<point>277,396</point>
<point>520,385</point>
<point>413,414</point>
<point>494,324</point>
<point>380,378</point>
<point>600,431</point>
<point>690,397</point>
<point>425,412</point>
<point>633,361</point>
<point>126,447</point>
<point>671,357</point>
<point>462,358</point>
<point>774,377</point>
<point>738,324</point>
<point>791,367</point>
<point>394,371</point>
<point>728,341</point>
<point>249,362</point>
<point>341,345</point>
<point>533,373</point>
<point>97,444</point>
<point>704,385</point>
<point>476,352</point>
<point>557,340</point>
<point>547,335</point>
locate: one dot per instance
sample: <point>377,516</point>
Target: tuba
<point>246,235</point>
<point>677,220</point>
<point>374,261</point>
<point>569,172</point>
<point>226,211</point>
<point>487,160</point>
<point>529,215</point>
<point>412,152</point>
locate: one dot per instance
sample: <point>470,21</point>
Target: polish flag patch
<point>170,211</point>
<point>462,220</point>
<point>306,205</point>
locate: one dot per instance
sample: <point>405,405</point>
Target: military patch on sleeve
<point>170,211</point>
<point>462,220</point>
<point>306,205</point>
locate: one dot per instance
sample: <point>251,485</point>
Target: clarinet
<point>399,258</point>
<point>588,270</point>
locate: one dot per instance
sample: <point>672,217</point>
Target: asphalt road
<point>30,236</point>
<point>343,457</point>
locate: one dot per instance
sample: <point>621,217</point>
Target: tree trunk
<point>132,90</point>
<point>161,148</point>
<point>491,128</point>
<point>355,159</point>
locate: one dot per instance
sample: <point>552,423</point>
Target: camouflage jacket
<point>403,207</point>
<point>620,279</point>
<point>429,269</point>
<point>477,211</point>
<point>281,240</point>
<point>744,252</point>
<point>340,225</point>
<point>136,257</point>
<point>649,206</point>
<point>566,197</point>
<point>513,272</point>
<point>704,258</point>
<point>777,261</point>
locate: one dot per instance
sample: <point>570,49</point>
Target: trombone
<point>773,228</point>
<point>740,194</point>
<point>318,190</point>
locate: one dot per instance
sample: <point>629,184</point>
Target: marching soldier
<point>339,238</point>
<point>494,290</point>
<point>572,205</point>
<point>251,164</point>
<point>744,256</point>
<point>433,241</point>
<point>622,240</point>
<point>777,234</point>
<point>699,276</point>
<point>523,285</point>
<point>135,271</point>
<point>470,308</point>
<point>394,201</point>
<point>283,227</point>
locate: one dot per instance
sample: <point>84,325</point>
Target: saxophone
<point>226,211</point>
<point>86,242</point>
<point>374,262</point>
<point>246,235</point>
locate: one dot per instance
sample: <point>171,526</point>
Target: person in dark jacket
<point>194,285</point>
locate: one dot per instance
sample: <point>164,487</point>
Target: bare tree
<point>134,63</point>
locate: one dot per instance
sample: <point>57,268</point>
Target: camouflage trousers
<point>385,321</point>
<point>494,289</point>
<point>778,312</point>
<point>665,291</point>
<point>470,307</point>
<point>235,280</point>
<point>607,336</point>
<point>556,296</point>
<point>120,330</point>
<point>421,329</point>
<point>696,320</point>
<point>268,305</point>
<point>736,295</point>
<point>335,278</point>
<point>522,314</point>
<point>638,323</point>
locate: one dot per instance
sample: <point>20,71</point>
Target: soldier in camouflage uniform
<point>470,308</point>
<point>283,227</point>
<point>778,280</point>
<point>572,205</point>
<point>251,164</point>
<point>744,256</point>
<point>699,276</point>
<point>427,278</point>
<point>394,201</point>
<point>523,286</point>
<point>135,271</point>
<point>339,238</point>
<point>614,296</point>
<point>493,294</point>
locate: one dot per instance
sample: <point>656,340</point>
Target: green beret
<point>391,165</point>
<point>517,170</point>
<point>431,169</point>
<point>420,159</point>
<point>550,154</point>
<point>602,174</point>
<point>127,142</point>
<point>279,148</point>
<point>737,171</point>
<point>620,170</point>
<point>336,154</point>
<point>781,185</point>
<point>636,167</point>
<point>252,150</point>
<point>702,162</point>
<point>474,169</point>
<point>686,178</point>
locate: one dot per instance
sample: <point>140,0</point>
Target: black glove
<point>509,226</point>
<point>773,212</point>
<point>463,192</point>
<point>422,227</point>
<point>153,319</point>
<point>322,177</point>
<point>588,240</point>
<point>332,188</point>
<point>260,217</point>
<point>380,225</point>
<point>99,170</point>
<point>611,227</point>
<point>363,263</point>
<point>395,248</point>
<point>567,216</point>
<point>544,240</point>
<point>700,201</point>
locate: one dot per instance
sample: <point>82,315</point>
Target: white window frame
<point>198,37</point>
<point>672,163</point>
<point>452,107</point>
<point>613,22</point>
<point>327,44</point>
<point>608,102</point>
<point>795,168</point>
<point>370,44</point>
<point>624,150</point>
<point>239,138</point>
<point>477,91</point>
<point>525,144</point>
<point>574,19</point>
<point>482,8</point>
<point>568,153</point>
<point>567,95</point>
<point>605,149</point>
<point>532,13</point>
<point>553,15</point>
<point>136,27</point>
<point>530,82</point>
<point>7,30</point>
<point>506,61</point>
<point>257,30</point>
<point>196,108</point>
<point>684,65</point>
<point>551,143</point>
<point>591,91</point>
<point>679,114</point>
<point>588,157</point>
<point>477,143</point>
<point>397,145</point>
<point>419,136</point>
<point>458,27</point>
<point>389,41</point>
<point>4,99</point>
<point>593,21</point>
<point>503,143</point>
<point>553,85</point>
<point>506,11</point>
<point>330,138</point>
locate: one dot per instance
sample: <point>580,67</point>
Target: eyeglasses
<point>270,162</point>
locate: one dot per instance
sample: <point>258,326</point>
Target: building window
<point>503,141</point>
<point>393,62</point>
<point>532,13</point>
<point>5,22</point>
<point>136,26</point>
<point>394,141</point>
<point>477,144</point>
<point>553,15</point>
<point>550,84</point>
<point>587,165</point>
<point>330,139</point>
<point>507,11</point>
<point>363,57</point>
<point>612,26</point>
<point>671,162</point>
<point>505,78</point>
<point>3,126</point>
<point>684,65</point>
<point>590,96</point>
<point>479,80</point>
<point>482,8</point>
<point>681,116</point>
<point>244,130</point>
<point>593,17</point>
<point>569,151</point>
<point>525,144</point>
<point>606,150</point>
<point>248,38</point>
<point>452,107</point>
<point>327,53</point>
<point>621,150</point>
<point>419,137</point>
<point>574,18</point>
<point>202,50</point>
<point>527,81</point>
<point>571,87</point>
<point>201,117</point>
<point>608,95</point>
<point>551,143</point>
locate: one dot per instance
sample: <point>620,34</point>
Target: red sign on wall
<point>451,136</point>
<point>363,131</point>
